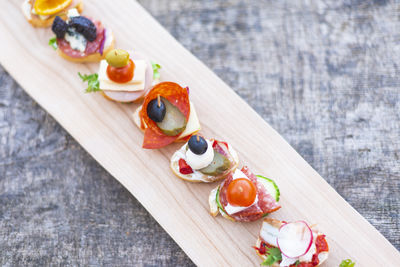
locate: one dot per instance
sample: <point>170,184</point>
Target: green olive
<point>117,58</point>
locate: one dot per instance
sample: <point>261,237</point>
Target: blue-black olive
<point>59,27</point>
<point>156,110</point>
<point>198,145</point>
<point>84,26</point>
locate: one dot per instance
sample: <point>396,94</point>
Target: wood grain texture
<point>266,169</point>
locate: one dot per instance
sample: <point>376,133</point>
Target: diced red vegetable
<point>184,168</point>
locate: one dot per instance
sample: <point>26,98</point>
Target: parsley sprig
<point>273,255</point>
<point>53,43</point>
<point>156,72</point>
<point>93,82</point>
<point>347,263</point>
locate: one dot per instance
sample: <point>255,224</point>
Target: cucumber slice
<point>218,165</point>
<point>217,199</point>
<point>270,186</point>
<point>174,121</point>
<point>221,210</point>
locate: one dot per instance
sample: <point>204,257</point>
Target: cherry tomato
<point>241,192</point>
<point>121,75</point>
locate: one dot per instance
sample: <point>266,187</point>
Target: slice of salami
<point>91,47</point>
<point>177,96</point>
<point>153,140</point>
<point>94,47</point>
<point>266,203</point>
<point>64,46</point>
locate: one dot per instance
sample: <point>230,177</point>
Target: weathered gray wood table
<point>325,74</point>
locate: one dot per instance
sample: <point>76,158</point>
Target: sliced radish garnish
<point>295,239</point>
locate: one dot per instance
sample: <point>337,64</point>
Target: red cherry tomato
<point>121,75</point>
<point>241,192</point>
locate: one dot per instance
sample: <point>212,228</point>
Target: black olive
<point>156,111</point>
<point>59,27</point>
<point>84,26</point>
<point>198,145</point>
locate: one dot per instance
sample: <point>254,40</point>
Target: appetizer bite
<point>166,116</point>
<point>244,197</point>
<point>203,160</point>
<point>123,76</point>
<point>291,244</point>
<point>80,39</point>
<point>41,13</point>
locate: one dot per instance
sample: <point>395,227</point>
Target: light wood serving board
<point>105,129</point>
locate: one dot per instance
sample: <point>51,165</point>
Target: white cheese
<point>42,17</point>
<point>73,12</point>
<point>235,209</point>
<point>138,75</point>
<point>212,201</point>
<point>126,87</point>
<point>27,9</point>
<point>193,124</point>
<point>76,40</point>
<point>308,256</point>
<point>287,261</point>
<point>136,84</point>
<point>269,234</point>
<point>181,154</point>
<point>198,162</point>
<point>239,174</point>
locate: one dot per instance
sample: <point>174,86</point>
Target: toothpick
<point>197,138</point>
<point>158,101</point>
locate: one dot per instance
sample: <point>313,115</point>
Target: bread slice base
<point>323,256</point>
<point>95,57</point>
<point>204,178</point>
<point>45,23</point>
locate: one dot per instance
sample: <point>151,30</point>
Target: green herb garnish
<point>347,263</point>
<point>297,263</point>
<point>53,43</point>
<point>93,82</point>
<point>273,255</point>
<point>156,72</point>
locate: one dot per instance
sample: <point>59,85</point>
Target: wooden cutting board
<point>105,129</point>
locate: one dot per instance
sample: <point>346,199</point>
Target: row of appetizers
<point>166,116</point>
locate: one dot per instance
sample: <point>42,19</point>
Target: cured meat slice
<point>91,47</point>
<point>178,97</point>
<point>153,140</point>
<point>265,204</point>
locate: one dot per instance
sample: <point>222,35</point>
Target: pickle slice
<point>174,121</point>
<point>218,165</point>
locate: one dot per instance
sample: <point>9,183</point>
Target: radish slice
<point>122,96</point>
<point>295,239</point>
